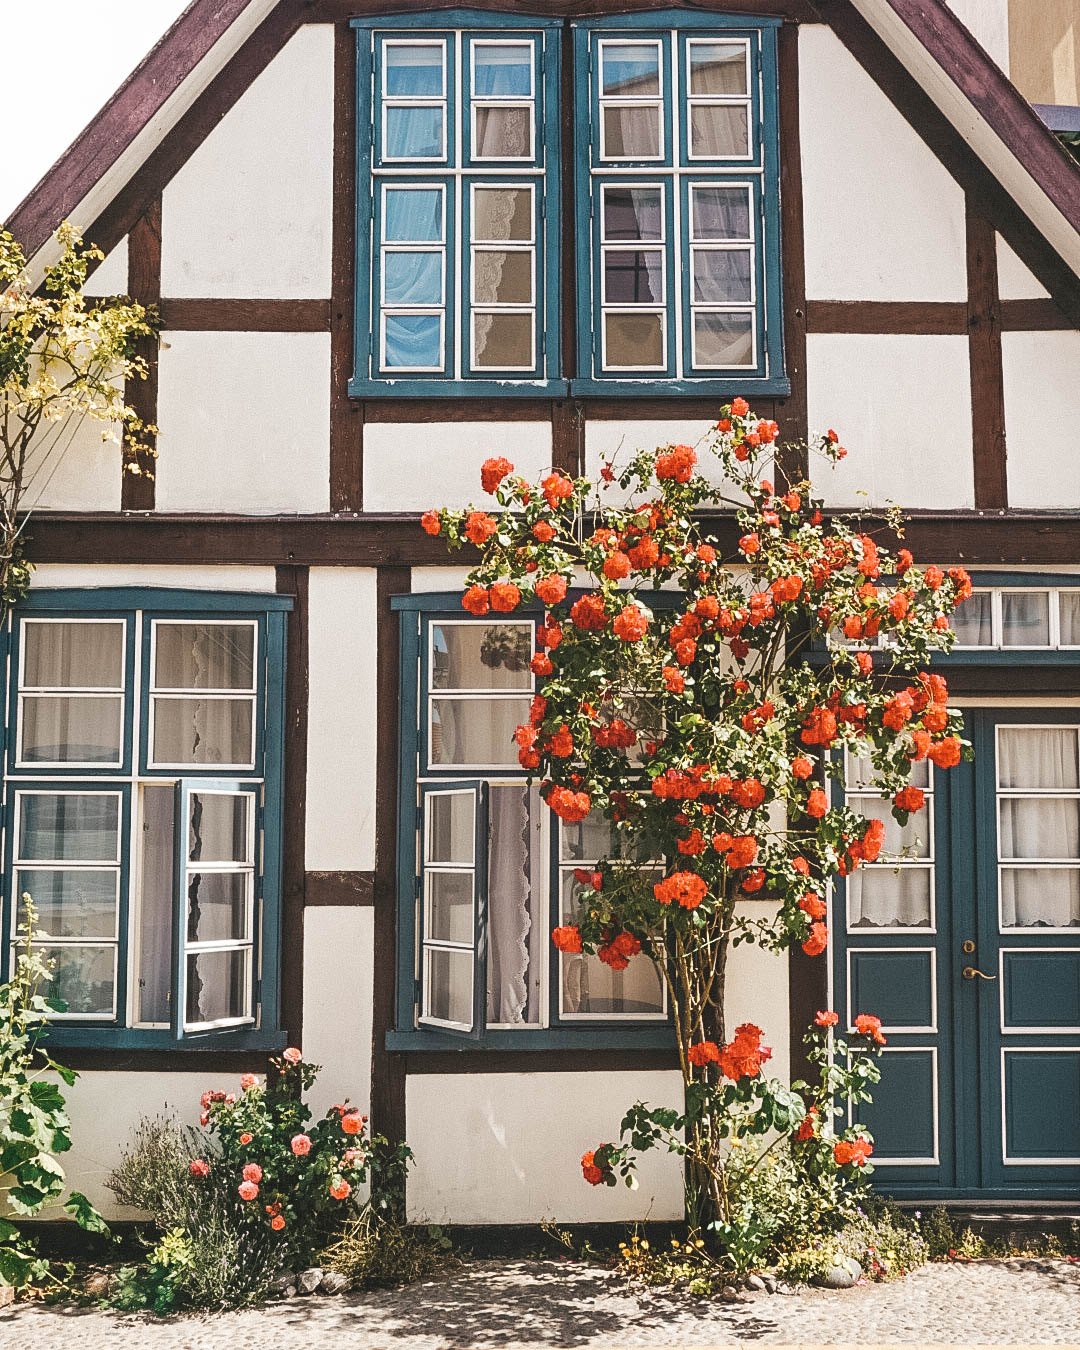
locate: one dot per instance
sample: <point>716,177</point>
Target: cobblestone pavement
<point>546,1304</point>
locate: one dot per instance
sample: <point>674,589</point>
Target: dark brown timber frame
<point>144,285</point>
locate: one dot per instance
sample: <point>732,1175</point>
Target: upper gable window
<point>673,263</point>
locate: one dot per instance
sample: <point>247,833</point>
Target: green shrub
<point>376,1252</point>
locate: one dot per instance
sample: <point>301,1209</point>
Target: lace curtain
<point>1045,828</point>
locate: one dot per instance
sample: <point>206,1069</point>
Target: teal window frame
<point>454,173</point>
<point>138,608</point>
<point>416,613</point>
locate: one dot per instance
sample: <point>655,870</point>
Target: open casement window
<point>453,907</point>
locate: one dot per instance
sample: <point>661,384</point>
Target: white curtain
<point>59,728</point>
<point>516,869</point>
<point>884,897</point>
<point>1044,827</point>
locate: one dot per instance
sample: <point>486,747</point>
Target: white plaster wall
<point>72,468</point>
<point>1016,281</point>
<point>757,991</point>
<point>223,578</point>
<point>249,213</point>
<point>411,468</point>
<point>901,405</point>
<point>1042,413</point>
<point>342,720</point>
<point>619,441</point>
<point>245,422</point>
<point>427,579</point>
<point>111,275</point>
<point>506,1147</point>
<point>339,946</point>
<point>883,219</point>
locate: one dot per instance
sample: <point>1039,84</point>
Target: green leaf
<point>84,1213</point>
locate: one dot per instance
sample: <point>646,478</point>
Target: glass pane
<point>476,731</point>
<point>155,898</point>
<point>414,133</point>
<point>589,840</point>
<point>71,902</point>
<point>913,839</point>
<point>203,731</point>
<point>448,987</point>
<point>1069,618</point>
<point>719,130</point>
<point>1039,827</point>
<point>1037,757</point>
<point>73,655</point>
<point>634,339</point>
<point>722,276</point>
<point>204,656</point>
<point>633,213</point>
<point>412,215</point>
<point>413,70</point>
<point>1025,619</point>
<point>58,826</point>
<point>218,986</point>
<point>631,132</point>
<point>717,68</point>
<point>505,68</point>
<point>83,977</point>
<point>451,828</point>
<point>859,773</point>
<point>504,132</point>
<point>412,278</point>
<point>219,830</point>
<point>504,341</point>
<point>501,214</point>
<point>450,916</point>
<point>972,621</point>
<point>1040,897</point>
<point>589,986</point>
<point>881,897</point>
<point>634,276</point>
<point>517,906</point>
<point>481,656</point>
<point>71,730</point>
<point>502,278</point>
<point>218,906</point>
<point>723,339</point>
<point>721,213</point>
<point>412,341</point>
<point>630,69</point>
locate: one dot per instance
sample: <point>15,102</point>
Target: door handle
<point>970,973</point>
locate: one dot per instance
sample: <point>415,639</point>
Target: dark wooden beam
<point>1032,316</point>
<point>334,10</point>
<point>347,416</point>
<point>793,460</point>
<point>245,316</point>
<point>930,317</point>
<point>293,580</point>
<point>985,363</point>
<point>144,285</point>
<point>568,436</point>
<point>339,888</point>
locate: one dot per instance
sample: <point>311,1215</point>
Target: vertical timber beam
<point>984,354</point>
<point>346,414</point>
<point>292,580</point>
<point>144,285</point>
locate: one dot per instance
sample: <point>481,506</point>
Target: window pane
<point>717,68</point>
<point>594,838</point>
<point>503,278</point>
<point>721,213</point>
<point>70,902</point>
<point>1069,620</point>
<point>972,621</point>
<point>505,68</point>
<point>476,731</point>
<point>73,655</point>
<point>1037,757</point>
<point>501,214</point>
<point>450,916</point>
<point>448,986</point>
<point>1039,827</point>
<point>204,656</point>
<point>413,70</point>
<point>719,130</point>
<point>504,132</point>
<point>156,861</point>
<point>912,838</point>
<point>1040,897</point>
<point>481,656</point>
<point>451,827</point>
<point>630,69</point>
<point>412,215</point>
<point>414,133</point>
<point>59,730</point>
<point>413,341</point>
<point>634,276</point>
<point>218,906</point>
<point>504,341</point>
<point>881,897</point>
<point>59,826</point>
<point>412,278</point>
<point>634,339</point>
<point>1025,619</point>
<point>220,827</point>
<point>859,773</point>
<point>218,986</point>
<point>633,213</point>
<point>591,987</point>
<point>723,339</point>
<point>631,132</point>
<point>518,890</point>
<point>722,276</point>
<point>203,731</point>
<point>83,977</point>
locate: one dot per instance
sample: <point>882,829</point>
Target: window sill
<point>131,1038</point>
<point>483,388</point>
<point>748,385</point>
<point>609,1036</point>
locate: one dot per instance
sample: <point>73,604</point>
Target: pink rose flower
<point>300,1144</point>
<point>247,1081</point>
<point>248,1190</point>
<point>253,1172</point>
<point>199,1168</point>
<point>291,1055</point>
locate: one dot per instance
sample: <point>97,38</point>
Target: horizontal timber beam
<point>926,317</point>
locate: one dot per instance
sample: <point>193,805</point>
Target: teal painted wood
<point>108,599</point>
<point>269,879</point>
<point>408,860</point>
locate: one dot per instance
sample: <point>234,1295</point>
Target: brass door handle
<point>970,973</point>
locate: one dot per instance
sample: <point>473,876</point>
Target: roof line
<point>98,146</point>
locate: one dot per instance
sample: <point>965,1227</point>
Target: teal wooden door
<point>966,942</point>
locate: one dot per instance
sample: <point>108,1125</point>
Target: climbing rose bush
<point>701,696</point>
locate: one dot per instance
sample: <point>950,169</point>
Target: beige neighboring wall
<point>1044,50</point>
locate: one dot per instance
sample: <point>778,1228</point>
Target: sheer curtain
<point>515,883</point>
<point>75,728</point>
<point>1043,829</point>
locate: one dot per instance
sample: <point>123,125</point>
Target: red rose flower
<point>431,522</point>
<point>567,938</point>
<point>479,527</point>
<point>199,1168</point>
<point>945,754</point>
<point>801,768</point>
<point>816,804</point>
<point>493,471</point>
<point>588,613</point>
<point>866,1024</point>
<point>826,1019</point>
<point>475,600</point>
<point>504,596</point>
<point>630,624</point>
<point>910,799</point>
<point>818,940</point>
<point>704,1052</point>
<point>551,590</point>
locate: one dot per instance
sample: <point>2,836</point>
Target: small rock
<point>96,1285</point>
<point>729,1293</point>
<point>289,1291</point>
<point>782,1288</point>
<point>769,1282</point>
<point>839,1277</point>
<point>849,1263</point>
<point>309,1280</point>
<point>283,1281</point>
<point>7,1295</point>
<point>756,1282</point>
<point>333,1282</point>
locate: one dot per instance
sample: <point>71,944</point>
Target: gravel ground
<point>493,1305</point>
